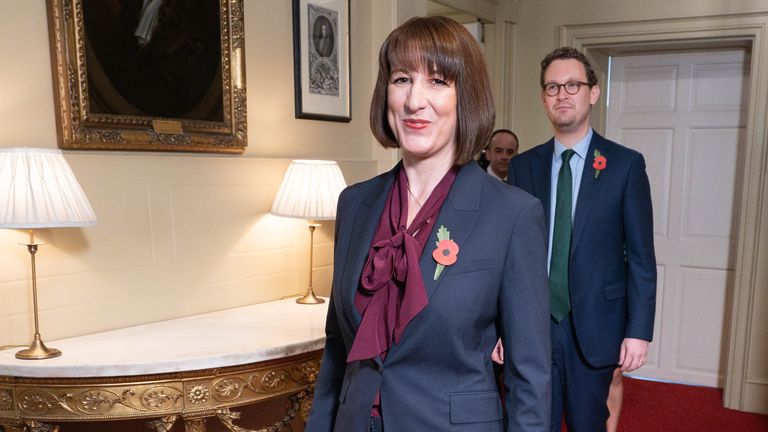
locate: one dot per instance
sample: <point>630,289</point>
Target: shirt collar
<point>490,171</point>
<point>580,148</point>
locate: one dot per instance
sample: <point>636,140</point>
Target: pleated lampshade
<point>39,190</point>
<point>310,190</point>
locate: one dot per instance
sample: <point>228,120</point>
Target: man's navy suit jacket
<point>612,268</point>
<point>440,377</point>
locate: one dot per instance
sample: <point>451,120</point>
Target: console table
<point>191,370</point>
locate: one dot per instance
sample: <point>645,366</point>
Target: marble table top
<point>231,337</point>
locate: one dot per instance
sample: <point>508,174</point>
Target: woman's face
<point>421,109</point>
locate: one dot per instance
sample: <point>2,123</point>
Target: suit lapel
<point>541,173</point>
<point>458,215</point>
<point>589,187</point>
<point>365,223</point>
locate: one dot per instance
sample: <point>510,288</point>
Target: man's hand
<point>498,353</point>
<point>633,354</point>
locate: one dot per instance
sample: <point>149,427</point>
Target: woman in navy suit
<point>434,260</point>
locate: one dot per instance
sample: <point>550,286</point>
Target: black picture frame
<point>322,78</point>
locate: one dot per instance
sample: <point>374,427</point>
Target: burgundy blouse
<point>391,291</point>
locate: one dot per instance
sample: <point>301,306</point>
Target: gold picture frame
<point>151,80</point>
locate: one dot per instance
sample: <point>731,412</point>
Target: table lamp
<point>39,190</point>
<point>310,190</point>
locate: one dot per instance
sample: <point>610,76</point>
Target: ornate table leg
<point>305,401</point>
<point>195,425</point>
<point>227,418</point>
<point>9,425</point>
<point>36,426</point>
<point>162,425</point>
<point>309,371</point>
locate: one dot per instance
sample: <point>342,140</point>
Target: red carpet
<point>651,406</point>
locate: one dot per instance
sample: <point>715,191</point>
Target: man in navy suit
<point>601,256</point>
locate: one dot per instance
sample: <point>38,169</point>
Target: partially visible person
<point>602,265</point>
<point>615,400</point>
<point>411,327</point>
<point>500,150</point>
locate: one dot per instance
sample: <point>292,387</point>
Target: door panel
<point>685,112</point>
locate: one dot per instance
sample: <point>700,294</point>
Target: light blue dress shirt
<point>577,168</point>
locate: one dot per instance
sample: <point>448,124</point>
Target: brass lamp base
<point>309,298</point>
<point>37,351</point>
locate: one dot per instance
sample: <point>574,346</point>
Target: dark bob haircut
<point>438,44</point>
<point>564,53</point>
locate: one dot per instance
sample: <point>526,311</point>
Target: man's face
<point>503,147</point>
<point>568,113</point>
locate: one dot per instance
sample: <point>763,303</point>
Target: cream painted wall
<point>178,234</point>
<point>272,129</point>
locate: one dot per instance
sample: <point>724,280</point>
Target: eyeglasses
<point>571,87</point>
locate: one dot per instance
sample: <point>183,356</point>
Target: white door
<point>686,113</point>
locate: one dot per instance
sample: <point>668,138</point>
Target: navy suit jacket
<point>440,377</point>
<point>612,269</point>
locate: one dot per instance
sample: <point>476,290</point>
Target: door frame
<point>600,40</point>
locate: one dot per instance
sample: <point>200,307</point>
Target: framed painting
<point>321,73</point>
<point>156,75</point>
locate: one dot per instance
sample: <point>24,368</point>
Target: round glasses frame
<point>571,87</point>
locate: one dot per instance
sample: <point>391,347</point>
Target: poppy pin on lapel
<point>446,252</point>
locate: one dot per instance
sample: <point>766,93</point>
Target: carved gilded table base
<point>195,397</point>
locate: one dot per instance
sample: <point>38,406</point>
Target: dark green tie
<point>559,301</point>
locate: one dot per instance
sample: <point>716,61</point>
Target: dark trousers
<point>579,390</point>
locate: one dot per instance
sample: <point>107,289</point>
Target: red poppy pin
<point>446,252</point>
<point>600,162</point>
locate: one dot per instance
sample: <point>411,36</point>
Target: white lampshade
<point>310,190</point>
<point>39,190</point>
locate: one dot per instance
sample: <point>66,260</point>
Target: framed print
<point>321,59</point>
<point>159,75</point>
